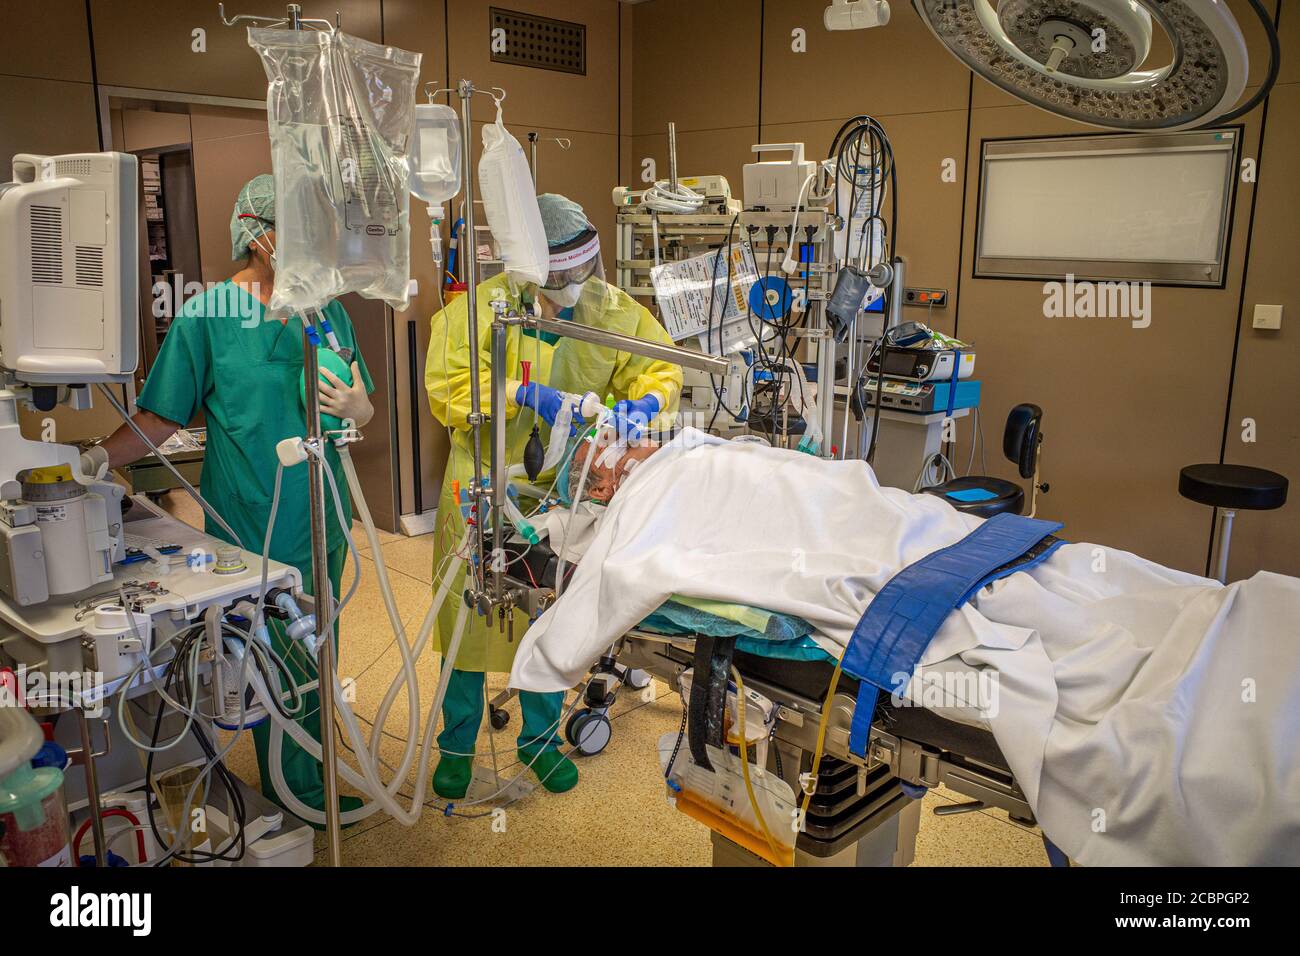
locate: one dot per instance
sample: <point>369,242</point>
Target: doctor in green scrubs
<point>225,355</point>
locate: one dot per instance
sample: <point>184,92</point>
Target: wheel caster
<point>638,679</point>
<point>499,718</point>
<point>589,732</point>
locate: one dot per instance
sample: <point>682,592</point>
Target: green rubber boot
<point>451,777</point>
<point>555,771</point>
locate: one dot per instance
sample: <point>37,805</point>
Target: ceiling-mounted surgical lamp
<point>1083,59</point>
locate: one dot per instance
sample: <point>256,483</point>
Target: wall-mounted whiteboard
<point>1144,207</point>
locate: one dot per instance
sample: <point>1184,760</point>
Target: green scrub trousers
<point>462,713</point>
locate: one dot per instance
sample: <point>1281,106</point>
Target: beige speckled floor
<point>617,816</point>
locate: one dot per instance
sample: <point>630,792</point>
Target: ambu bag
<point>340,112</point>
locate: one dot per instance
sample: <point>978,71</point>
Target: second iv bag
<point>435,164</point>
<point>510,201</point>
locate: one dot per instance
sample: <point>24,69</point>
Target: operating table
<point>865,809</point>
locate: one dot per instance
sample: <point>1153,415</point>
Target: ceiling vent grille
<point>538,42</point>
<point>47,244</point>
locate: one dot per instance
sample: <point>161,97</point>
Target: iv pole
<point>322,595</point>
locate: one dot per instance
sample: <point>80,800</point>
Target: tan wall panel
<point>28,106</point>
<point>696,64</point>
<point>147,45</point>
<point>846,72</point>
<point>1289,36</point>
<point>419,26</point>
<point>1267,386</point>
<point>53,44</point>
<point>1124,409</point>
<point>147,129</point>
<point>230,148</point>
<point>626,71</point>
<point>543,97</point>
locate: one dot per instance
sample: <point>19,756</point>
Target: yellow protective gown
<point>569,366</point>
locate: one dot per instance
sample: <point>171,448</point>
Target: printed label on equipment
<point>48,513</point>
<point>688,289</point>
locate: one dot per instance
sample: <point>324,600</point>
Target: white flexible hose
<point>662,197</point>
<point>367,783</point>
<point>367,753</point>
<point>407,674</point>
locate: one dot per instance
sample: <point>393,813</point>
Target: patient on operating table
<point>608,471</point>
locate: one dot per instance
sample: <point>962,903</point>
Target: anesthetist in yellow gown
<point>645,393</point>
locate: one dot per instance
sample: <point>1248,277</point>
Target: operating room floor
<point>617,815</point>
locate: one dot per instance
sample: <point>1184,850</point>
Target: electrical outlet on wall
<point>1267,317</point>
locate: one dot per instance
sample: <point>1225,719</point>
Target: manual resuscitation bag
<point>340,112</point>
<point>510,202</point>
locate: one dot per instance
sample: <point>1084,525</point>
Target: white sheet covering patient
<point>1150,716</point>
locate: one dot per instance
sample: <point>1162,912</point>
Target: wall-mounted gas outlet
<point>926,298</point>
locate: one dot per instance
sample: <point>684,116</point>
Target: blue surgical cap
<point>254,214</point>
<point>562,218</point>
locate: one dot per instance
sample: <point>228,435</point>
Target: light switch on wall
<point>1268,317</point>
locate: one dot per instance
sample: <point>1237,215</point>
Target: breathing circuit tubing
<point>264,678</point>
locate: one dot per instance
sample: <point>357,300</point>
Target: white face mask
<point>565,298</point>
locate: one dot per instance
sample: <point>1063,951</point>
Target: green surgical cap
<point>256,199</point>
<point>563,219</point>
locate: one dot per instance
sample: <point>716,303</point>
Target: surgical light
<point>1087,59</point>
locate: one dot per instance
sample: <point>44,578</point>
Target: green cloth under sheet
<point>759,632</point>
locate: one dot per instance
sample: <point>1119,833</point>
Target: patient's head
<point>604,478</point>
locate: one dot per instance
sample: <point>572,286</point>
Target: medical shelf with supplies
<point>792,286</point>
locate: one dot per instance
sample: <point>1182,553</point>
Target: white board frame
<point>1115,150</point>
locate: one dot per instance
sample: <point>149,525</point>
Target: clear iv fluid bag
<point>435,154</point>
<point>340,112</point>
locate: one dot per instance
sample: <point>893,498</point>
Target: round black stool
<point>1230,488</point>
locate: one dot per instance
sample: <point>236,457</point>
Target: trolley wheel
<point>589,732</point>
<point>638,679</point>
<point>499,718</point>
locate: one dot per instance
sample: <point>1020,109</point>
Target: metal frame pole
<point>469,259</point>
<point>92,781</point>
<point>499,463</point>
<point>672,156</point>
<point>1225,541</point>
<point>322,594</point>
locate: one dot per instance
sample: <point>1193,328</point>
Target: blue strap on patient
<point>903,618</point>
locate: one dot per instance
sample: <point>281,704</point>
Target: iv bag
<point>510,201</point>
<point>435,154</point>
<point>340,112</point>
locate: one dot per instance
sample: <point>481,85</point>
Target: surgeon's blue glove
<point>546,400</point>
<point>631,417</point>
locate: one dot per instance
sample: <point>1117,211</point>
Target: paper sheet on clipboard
<point>685,289</point>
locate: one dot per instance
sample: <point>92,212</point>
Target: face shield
<point>572,265</point>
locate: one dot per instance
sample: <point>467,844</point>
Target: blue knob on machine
<point>770,298</point>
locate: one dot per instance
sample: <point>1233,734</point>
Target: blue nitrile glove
<point>633,417</point>
<point>546,400</point>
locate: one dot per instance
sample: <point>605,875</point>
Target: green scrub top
<point>222,354</point>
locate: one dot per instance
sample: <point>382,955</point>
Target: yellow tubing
<point>821,740</point>
<point>744,768</point>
